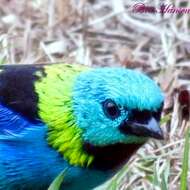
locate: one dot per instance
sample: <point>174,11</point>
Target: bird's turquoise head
<point>94,115</point>
<point>117,105</point>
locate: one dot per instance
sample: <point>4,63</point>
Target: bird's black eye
<point>110,108</point>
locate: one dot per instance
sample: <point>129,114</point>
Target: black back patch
<point>17,89</point>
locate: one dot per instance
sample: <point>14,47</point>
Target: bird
<point>85,121</point>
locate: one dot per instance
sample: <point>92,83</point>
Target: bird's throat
<point>110,157</point>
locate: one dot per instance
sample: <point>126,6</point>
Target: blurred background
<point>127,33</point>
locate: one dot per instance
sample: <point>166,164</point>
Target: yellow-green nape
<point>55,109</point>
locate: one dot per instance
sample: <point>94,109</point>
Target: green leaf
<point>156,177</point>
<point>184,173</point>
<point>165,176</point>
<point>56,184</point>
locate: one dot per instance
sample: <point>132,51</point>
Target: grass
<point>185,163</point>
<point>56,184</point>
<point>102,33</point>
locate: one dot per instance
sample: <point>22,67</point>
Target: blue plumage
<point>27,162</point>
<point>23,152</point>
<point>9,120</point>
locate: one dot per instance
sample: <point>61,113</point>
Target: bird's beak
<point>149,129</point>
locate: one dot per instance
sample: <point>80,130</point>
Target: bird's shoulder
<point>14,126</point>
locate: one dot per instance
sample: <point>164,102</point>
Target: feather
<point>15,127</point>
